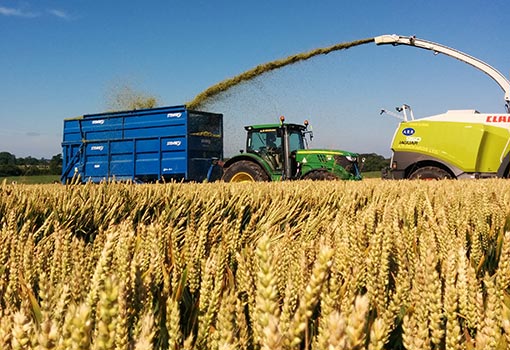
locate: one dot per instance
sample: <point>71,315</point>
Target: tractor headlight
<point>351,158</point>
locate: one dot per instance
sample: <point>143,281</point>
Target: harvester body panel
<point>465,142</point>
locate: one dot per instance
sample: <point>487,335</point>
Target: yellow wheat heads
<point>315,265</point>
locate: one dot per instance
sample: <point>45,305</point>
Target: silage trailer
<point>167,143</point>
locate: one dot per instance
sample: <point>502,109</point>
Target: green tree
<point>8,165</point>
<point>374,162</point>
<point>7,158</point>
<point>28,161</point>
<point>10,170</point>
<point>56,164</point>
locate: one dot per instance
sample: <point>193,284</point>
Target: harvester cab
<point>455,144</point>
<point>280,152</point>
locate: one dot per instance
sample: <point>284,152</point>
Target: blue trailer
<point>142,145</point>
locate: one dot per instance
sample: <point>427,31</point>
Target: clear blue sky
<point>60,59</point>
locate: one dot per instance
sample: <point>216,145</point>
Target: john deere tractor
<point>279,152</point>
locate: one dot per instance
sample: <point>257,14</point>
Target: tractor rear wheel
<point>244,171</point>
<point>319,174</point>
<point>430,173</point>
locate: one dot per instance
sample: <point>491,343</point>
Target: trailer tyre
<point>430,173</point>
<point>244,171</point>
<point>319,174</point>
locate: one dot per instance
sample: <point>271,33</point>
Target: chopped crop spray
<point>211,92</point>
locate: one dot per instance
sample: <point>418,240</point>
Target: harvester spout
<point>386,39</point>
<point>500,79</point>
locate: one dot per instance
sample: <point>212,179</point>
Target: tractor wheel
<point>244,171</point>
<point>319,174</point>
<point>430,173</point>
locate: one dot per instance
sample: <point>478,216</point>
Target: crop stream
<point>213,91</point>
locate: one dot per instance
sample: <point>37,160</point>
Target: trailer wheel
<point>244,171</point>
<point>430,173</point>
<point>319,174</point>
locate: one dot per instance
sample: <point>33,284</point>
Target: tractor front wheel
<point>319,174</point>
<point>430,173</point>
<point>244,171</point>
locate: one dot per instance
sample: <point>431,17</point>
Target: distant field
<point>36,179</point>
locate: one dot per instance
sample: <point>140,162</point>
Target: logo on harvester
<point>408,131</point>
<point>498,119</point>
<point>410,140</point>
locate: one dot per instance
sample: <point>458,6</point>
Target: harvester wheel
<point>319,174</point>
<point>244,171</point>
<point>430,173</point>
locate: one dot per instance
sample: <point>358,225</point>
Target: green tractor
<point>279,152</point>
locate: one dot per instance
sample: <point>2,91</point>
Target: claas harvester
<point>454,145</point>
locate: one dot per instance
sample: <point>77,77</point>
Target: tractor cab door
<point>294,142</point>
<point>267,144</point>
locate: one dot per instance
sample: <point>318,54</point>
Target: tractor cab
<point>276,144</point>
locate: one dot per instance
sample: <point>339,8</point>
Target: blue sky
<point>61,59</point>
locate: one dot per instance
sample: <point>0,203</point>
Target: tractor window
<point>259,140</point>
<point>255,141</point>
<point>295,140</point>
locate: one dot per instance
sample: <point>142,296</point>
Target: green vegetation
<point>32,179</point>
<point>12,166</point>
<point>374,162</point>
<point>371,174</point>
<point>373,165</point>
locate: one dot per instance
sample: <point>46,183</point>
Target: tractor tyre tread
<point>251,169</point>
<point>430,173</point>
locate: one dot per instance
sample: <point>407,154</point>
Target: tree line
<point>374,162</point>
<point>10,165</point>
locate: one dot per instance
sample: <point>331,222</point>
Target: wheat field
<point>296,265</point>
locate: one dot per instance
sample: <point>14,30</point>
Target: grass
<point>30,180</point>
<point>371,174</point>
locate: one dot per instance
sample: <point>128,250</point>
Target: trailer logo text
<point>100,122</point>
<point>174,143</point>
<point>96,148</point>
<point>174,115</point>
<point>498,119</point>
